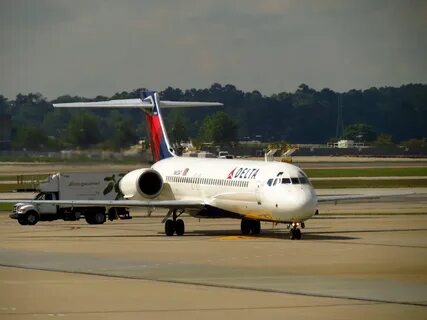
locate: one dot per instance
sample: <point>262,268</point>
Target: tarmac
<point>351,263</point>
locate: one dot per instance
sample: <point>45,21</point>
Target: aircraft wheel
<point>298,234</point>
<point>292,234</point>
<point>255,227</point>
<point>179,227</point>
<point>245,226</point>
<point>295,234</point>
<point>32,218</point>
<point>169,228</point>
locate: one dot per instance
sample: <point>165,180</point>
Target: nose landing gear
<point>295,232</point>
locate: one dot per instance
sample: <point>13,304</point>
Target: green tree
<point>303,116</point>
<point>177,128</point>
<point>30,138</point>
<point>414,144</point>
<point>384,140</point>
<point>118,130</point>
<point>82,130</point>
<point>4,105</point>
<point>54,123</point>
<point>30,109</point>
<point>360,132</point>
<point>219,128</point>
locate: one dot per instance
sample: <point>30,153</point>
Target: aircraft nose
<point>305,203</point>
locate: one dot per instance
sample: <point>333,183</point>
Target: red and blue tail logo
<point>159,141</point>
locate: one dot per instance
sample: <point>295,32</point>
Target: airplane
<point>249,190</point>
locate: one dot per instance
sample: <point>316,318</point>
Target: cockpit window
<point>286,180</point>
<point>269,182</point>
<point>303,180</point>
<point>295,180</point>
<point>274,182</point>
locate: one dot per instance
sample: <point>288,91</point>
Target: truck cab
<point>45,207</point>
<point>30,213</point>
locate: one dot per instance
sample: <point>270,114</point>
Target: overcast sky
<point>98,47</point>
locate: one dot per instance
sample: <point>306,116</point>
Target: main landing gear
<point>295,232</point>
<point>250,226</point>
<point>174,225</point>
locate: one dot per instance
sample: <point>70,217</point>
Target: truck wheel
<point>32,218</point>
<point>89,218</point>
<point>22,221</point>
<point>99,217</point>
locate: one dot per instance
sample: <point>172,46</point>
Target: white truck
<point>73,186</point>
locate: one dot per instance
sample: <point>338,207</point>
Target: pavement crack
<point>225,286</point>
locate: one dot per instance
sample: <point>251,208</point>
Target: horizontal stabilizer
<point>135,103</point>
<point>124,103</point>
<point>184,104</point>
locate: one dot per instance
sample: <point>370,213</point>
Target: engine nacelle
<point>141,183</point>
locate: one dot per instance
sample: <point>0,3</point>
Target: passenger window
<point>295,180</point>
<point>269,182</point>
<point>48,196</point>
<point>286,180</point>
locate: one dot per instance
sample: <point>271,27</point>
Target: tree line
<point>303,116</point>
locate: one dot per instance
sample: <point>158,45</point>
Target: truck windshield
<point>40,196</point>
<point>44,196</point>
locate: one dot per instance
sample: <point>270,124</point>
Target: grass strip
<point>6,207</point>
<point>11,187</point>
<point>387,183</point>
<point>25,177</point>
<point>368,172</point>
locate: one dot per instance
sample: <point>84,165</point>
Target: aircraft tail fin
<point>159,142</point>
<point>149,101</point>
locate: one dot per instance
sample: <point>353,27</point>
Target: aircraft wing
<point>340,197</point>
<point>170,204</point>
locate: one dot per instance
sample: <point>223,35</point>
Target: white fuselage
<point>270,191</point>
